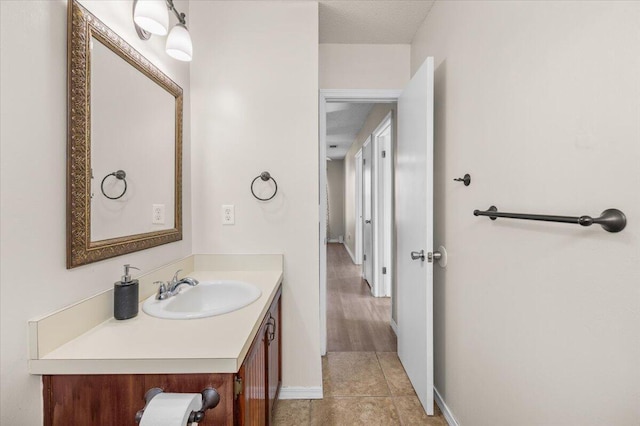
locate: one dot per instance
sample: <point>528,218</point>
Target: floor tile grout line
<point>386,379</point>
<point>393,400</point>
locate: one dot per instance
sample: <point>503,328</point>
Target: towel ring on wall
<point>121,175</point>
<point>265,176</point>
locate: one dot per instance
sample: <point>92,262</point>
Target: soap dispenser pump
<point>125,296</point>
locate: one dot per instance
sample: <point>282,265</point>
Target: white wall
<point>33,277</point>
<point>536,323</point>
<point>364,66</point>
<point>255,73</point>
<point>335,183</point>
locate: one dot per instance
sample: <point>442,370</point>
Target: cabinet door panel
<point>92,400</point>
<point>274,359</point>
<point>252,407</point>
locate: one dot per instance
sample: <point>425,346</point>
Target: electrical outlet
<point>157,214</point>
<point>228,214</point>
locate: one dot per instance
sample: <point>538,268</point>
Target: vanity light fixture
<point>152,17</point>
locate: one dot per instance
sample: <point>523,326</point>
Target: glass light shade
<point>179,44</point>
<point>152,16</point>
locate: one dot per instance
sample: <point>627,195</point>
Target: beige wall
<point>536,323</point>
<point>364,66</point>
<point>335,182</point>
<point>33,277</point>
<point>255,73</point>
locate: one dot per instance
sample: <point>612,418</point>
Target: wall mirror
<point>124,158</point>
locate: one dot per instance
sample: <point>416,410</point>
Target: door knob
<point>439,256</point>
<point>435,255</point>
<point>415,255</point>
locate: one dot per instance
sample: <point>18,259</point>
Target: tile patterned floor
<point>360,388</point>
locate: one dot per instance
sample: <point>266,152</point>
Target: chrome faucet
<point>173,287</point>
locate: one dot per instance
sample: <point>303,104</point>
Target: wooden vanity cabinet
<point>246,398</point>
<point>260,374</point>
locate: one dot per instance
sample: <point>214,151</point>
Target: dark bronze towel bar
<point>611,220</point>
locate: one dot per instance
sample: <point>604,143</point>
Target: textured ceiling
<point>344,121</point>
<point>374,22</point>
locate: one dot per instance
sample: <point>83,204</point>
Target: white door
<point>367,231</point>
<point>414,219</point>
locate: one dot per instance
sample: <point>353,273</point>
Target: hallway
<point>363,380</point>
<point>356,321</point>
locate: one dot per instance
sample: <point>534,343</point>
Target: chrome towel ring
<point>119,174</point>
<point>265,176</point>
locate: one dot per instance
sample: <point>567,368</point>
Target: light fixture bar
<point>179,15</point>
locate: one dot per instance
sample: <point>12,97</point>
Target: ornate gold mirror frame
<point>82,26</point>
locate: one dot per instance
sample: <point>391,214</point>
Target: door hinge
<point>364,161</point>
<point>237,387</point>
<point>384,154</point>
<point>364,257</point>
<point>384,270</point>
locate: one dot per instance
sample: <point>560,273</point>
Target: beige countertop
<point>146,345</point>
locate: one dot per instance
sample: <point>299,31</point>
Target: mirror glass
<point>124,154</point>
<point>133,130</point>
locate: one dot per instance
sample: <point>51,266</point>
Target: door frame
<point>325,96</point>
<point>358,194</point>
<point>383,229</point>
<point>371,280</point>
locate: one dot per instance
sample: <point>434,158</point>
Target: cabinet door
<point>252,402</point>
<point>274,360</point>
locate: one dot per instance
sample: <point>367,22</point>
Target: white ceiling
<point>344,121</point>
<point>375,22</point>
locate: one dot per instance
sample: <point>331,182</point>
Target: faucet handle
<point>175,276</point>
<point>162,290</point>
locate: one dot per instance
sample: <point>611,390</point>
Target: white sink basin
<point>207,299</point>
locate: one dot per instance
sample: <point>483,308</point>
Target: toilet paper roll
<point>171,409</point>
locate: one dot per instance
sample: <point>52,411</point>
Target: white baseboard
<point>394,327</point>
<point>353,258</point>
<point>298,392</point>
<point>446,412</point>
<point>333,240</point>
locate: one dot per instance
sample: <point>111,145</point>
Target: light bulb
<point>179,44</point>
<point>152,16</point>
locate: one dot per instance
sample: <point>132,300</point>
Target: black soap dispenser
<point>125,296</point>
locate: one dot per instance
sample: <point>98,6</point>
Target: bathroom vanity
<point>97,372</point>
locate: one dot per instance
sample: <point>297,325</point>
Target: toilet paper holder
<point>210,399</point>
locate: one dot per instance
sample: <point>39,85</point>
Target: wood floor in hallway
<point>356,321</point>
